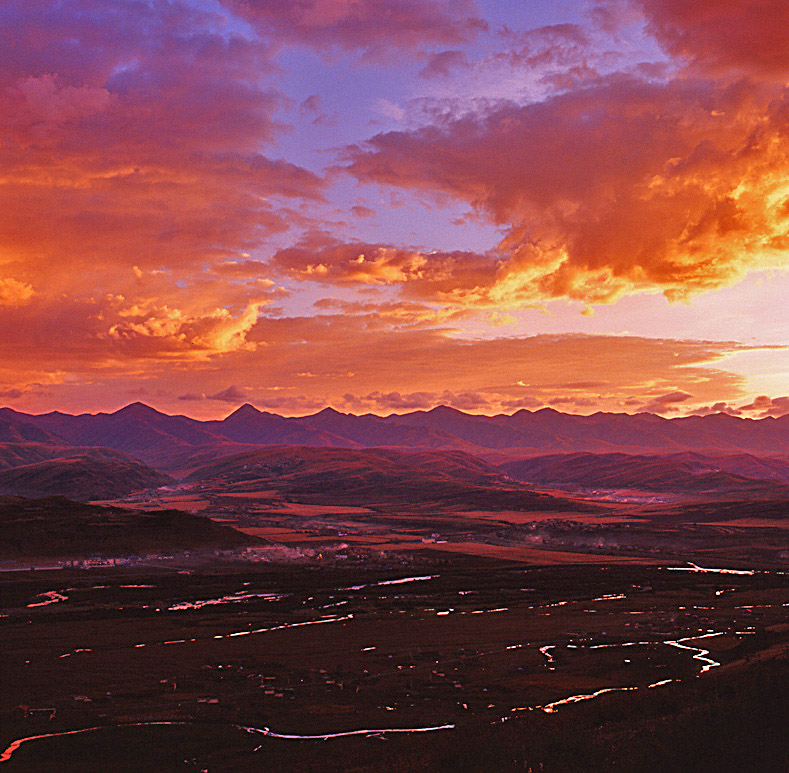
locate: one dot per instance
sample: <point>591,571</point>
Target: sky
<point>387,205</point>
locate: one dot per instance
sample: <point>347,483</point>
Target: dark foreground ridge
<point>55,527</point>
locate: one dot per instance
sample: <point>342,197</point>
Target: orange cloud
<point>134,184</point>
<point>394,402</point>
<point>346,355</point>
<point>666,403</point>
<point>619,186</point>
<point>744,36</point>
<point>768,406</point>
<point>76,341</point>
<point>164,331</point>
<point>134,133</point>
<point>43,101</point>
<point>721,407</point>
<point>233,394</point>
<point>142,199</point>
<point>14,292</point>
<point>392,314</point>
<point>347,360</point>
<point>319,257</point>
<point>375,27</point>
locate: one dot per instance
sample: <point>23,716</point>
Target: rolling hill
<point>83,478</point>
<point>685,473</point>
<point>16,454</point>
<point>373,477</point>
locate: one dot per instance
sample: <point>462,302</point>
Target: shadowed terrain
<point>83,477</point>
<point>55,527</point>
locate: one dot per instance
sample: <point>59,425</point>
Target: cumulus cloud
<point>320,257</point>
<point>299,364</point>
<point>521,403</point>
<point>659,176</point>
<point>720,407</point>
<point>622,185</point>
<point>136,132</point>
<point>744,36</point>
<point>14,292</point>
<point>389,401</point>
<point>45,100</point>
<point>311,108</point>
<point>149,224</point>
<point>233,394</point>
<point>361,211</point>
<point>766,406</point>
<point>169,331</point>
<point>378,28</point>
<point>444,63</point>
<point>666,403</point>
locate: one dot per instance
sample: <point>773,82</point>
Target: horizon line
<point>331,408</point>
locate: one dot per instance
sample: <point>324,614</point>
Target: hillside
<point>373,476</point>
<point>16,454</point>
<point>14,429</point>
<point>56,527</point>
<point>677,473</point>
<point>81,477</point>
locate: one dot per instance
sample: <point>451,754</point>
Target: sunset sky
<point>385,205</point>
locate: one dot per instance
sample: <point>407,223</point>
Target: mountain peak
<point>446,410</point>
<point>137,410</point>
<point>246,411</point>
<point>329,411</point>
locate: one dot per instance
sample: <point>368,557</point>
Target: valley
<point>296,654</point>
<point>255,605</point>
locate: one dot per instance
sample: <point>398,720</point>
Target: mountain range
<point>157,438</point>
<point>108,455</point>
